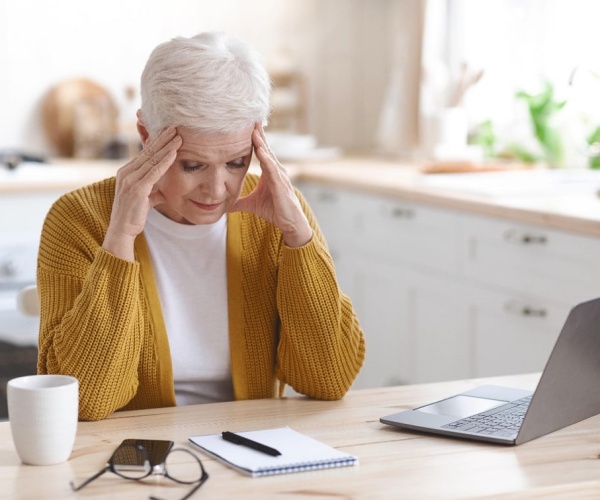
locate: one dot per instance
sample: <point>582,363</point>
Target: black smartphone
<point>129,457</point>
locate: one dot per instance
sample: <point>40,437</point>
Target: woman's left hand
<point>274,199</point>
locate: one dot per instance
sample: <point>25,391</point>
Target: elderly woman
<point>186,279</point>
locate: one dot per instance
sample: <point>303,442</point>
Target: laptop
<point>568,392</point>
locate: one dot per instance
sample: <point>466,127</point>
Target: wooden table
<point>393,463</point>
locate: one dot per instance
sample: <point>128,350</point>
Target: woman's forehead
<point>205,138</point>
<point>215,143</point>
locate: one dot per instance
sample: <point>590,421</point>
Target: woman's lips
<point>207,207</point>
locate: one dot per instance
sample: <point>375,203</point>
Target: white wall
<point>44,42</point>
<point>342,45</point>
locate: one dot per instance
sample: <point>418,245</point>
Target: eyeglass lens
<point>131,462</point>
<point>183,466</point>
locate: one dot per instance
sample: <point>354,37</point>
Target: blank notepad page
<point>298,452</point>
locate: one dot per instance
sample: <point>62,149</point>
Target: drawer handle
<point>8,268</point>
<point>514,236</point>
<point>534,239</point>
<point>402,213</point>
<point>532,311</point>
<point>515,307</point>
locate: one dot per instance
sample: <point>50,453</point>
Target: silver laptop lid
<point>569,389</point>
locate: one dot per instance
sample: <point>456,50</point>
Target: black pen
<point>237,439</point>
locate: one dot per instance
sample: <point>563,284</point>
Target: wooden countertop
<point>577,212</point>
<point>392,463</point>
<point>572,211</point>
<point>59,176</point>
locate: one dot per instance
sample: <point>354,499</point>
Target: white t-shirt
<point>189,263</point>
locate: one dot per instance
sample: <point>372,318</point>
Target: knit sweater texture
<point>101,319</point>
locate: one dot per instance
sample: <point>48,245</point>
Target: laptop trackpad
<point>461,406</point>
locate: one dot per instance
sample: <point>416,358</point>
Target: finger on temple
<point>156,165</point>
<point>155,143</point>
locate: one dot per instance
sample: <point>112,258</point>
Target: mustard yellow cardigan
<point>101,319</point>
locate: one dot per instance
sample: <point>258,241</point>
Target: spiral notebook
<point>298,452</point>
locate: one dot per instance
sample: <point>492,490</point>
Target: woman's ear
<point>141,128</point>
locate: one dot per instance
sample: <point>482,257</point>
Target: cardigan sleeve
<point>321,347</point>
<point>90,316</point>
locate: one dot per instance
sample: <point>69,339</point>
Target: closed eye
<point>240,162</point>
<point>236,164</point>
<point>191,167</point>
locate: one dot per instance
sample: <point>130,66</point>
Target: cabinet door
<point>380,301</point>
<point>513,333</point>
<point>438,326</point>
<point>334,211</point>
<point>412,234</point>
<point>533,260</point>
<point>20,230</point>
<point>25,212</point>
<point>415,325</point>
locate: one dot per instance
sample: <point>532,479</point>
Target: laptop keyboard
<point>502,421</point>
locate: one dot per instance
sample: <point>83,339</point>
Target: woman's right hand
<point>135,192</point>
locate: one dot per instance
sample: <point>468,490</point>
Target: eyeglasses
<point>176,467</point>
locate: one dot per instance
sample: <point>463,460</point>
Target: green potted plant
<point>542,111</point>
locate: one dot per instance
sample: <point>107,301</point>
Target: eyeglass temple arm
<point>194,489</point>
<point>189,494</point>
<point>88,481</point>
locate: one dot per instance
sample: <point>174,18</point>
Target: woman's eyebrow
<point>233,156</point>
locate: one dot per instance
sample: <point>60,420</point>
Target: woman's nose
<point>213,184</point>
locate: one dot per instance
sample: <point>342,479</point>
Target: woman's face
<point>206,177</point>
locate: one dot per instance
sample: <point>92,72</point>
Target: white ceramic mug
<point>43,410</point>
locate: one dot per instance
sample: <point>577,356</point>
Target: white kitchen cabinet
<point>331,207</point>
<point>336,218</point>
<point>445,294</point>
<point>512,332</point>
<point>20,231</point>
<point>401,280</point>
<point>380,298</point>
<point>438,328</point>
<point>415,325</point>
<point>403,232</point>
<point>25,212</point>
<point>542,261</point>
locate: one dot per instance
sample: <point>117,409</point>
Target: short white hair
<point>211,82</point>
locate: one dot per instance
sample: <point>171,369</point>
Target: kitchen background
<point>341,51</point>
<point>439,83</point>
<point>373,76</point>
